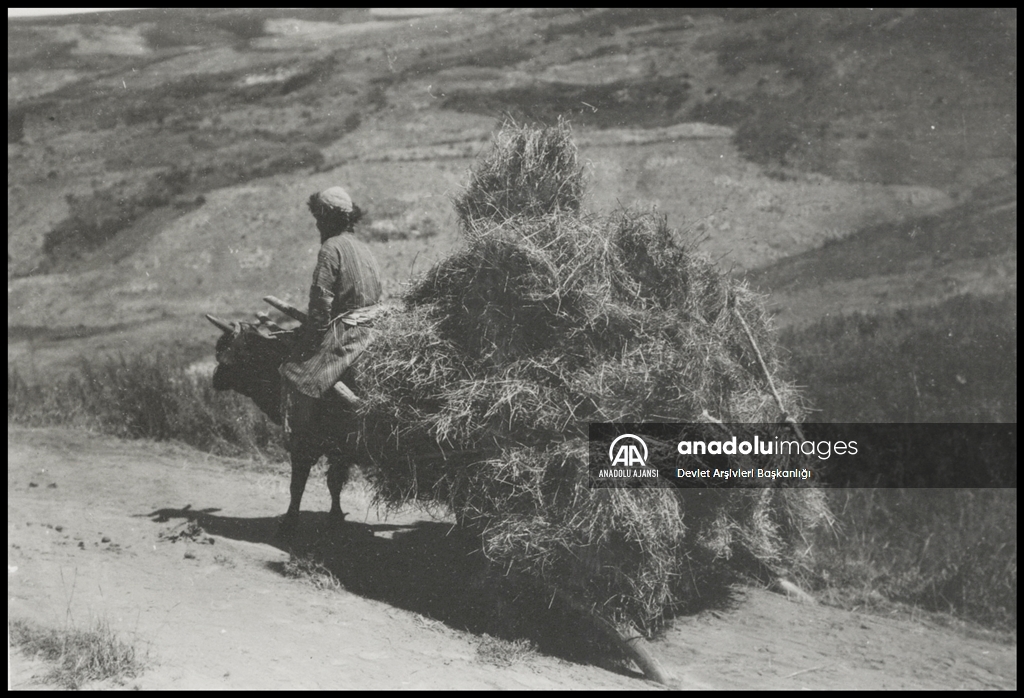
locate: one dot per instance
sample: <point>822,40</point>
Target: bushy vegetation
<point>950,550</point>
<point>500,652</point>
<point>79,656</point>
<point>93,220</point>
<point>945,550</point>
<point>953,362</point>
<point>644,103</point>
<point>146,397</point>
<point>96,219</point>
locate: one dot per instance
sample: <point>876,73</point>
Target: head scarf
<point>330,201</point>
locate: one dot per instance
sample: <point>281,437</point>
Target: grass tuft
<point>504,653</point>
<point>306,569</point>
<point>80,656</point>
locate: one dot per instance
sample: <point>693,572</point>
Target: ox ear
<point>220,324</point>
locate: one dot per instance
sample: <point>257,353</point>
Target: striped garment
<point>346,278</point>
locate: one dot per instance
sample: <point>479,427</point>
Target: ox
<point>248,359</point>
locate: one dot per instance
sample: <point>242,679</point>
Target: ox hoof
<point>337,516</point>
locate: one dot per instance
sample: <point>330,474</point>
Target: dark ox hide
<point>248,359</point>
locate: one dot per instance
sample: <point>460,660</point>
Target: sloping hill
<point>970,248</point>
<point>158,160</point>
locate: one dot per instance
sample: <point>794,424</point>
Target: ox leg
<point>302,440</point>
<point>337,476</point>
<point>302,463</point>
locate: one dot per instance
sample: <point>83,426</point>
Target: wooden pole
<point>768,376</point>
<point>286,308</point>
<point>347,396</point>
<point>627,639</point>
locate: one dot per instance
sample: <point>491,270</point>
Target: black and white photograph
<point>512,349</point>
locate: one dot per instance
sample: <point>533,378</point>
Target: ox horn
<point>221,325</point>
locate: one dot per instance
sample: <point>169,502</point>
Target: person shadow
<point>432,568</point>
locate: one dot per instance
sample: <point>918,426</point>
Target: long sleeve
<point>321,293</point>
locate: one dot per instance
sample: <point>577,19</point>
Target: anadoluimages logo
<point>627,455</point>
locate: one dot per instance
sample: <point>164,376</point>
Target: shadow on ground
<point>430,568</point>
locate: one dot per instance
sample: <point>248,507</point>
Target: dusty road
<point>92,523</point>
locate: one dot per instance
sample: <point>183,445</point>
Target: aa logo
<point>626,451</point>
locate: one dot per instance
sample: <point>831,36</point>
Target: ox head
<point>248,360</point>
<point>230,354</point>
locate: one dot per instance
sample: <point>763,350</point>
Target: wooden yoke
<point>286,308</point>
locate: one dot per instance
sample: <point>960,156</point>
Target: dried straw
<point>478,397</point>
<point>529,172</point>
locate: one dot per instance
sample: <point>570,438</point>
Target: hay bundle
<point>479,396</point>
<point>526,173</point>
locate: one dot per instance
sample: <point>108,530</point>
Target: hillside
<point>159,160</point>
<point>970,248</point>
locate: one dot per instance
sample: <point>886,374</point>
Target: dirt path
<point>89,540</point>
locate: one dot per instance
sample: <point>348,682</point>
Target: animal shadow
<point>431,568</point>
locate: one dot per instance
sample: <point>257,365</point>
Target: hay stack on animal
<point>479,395</point>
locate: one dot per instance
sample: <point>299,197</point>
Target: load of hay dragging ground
<point>479,395</point>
